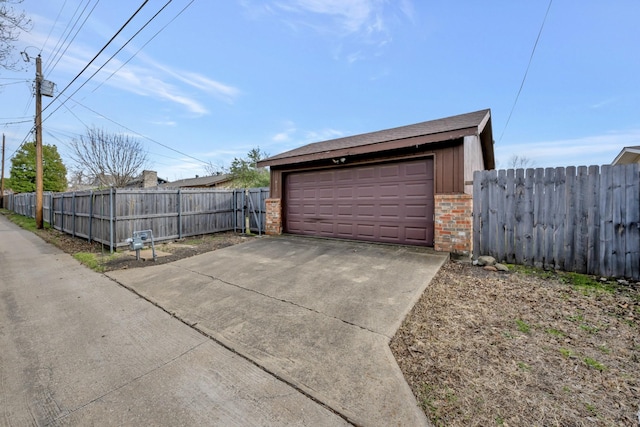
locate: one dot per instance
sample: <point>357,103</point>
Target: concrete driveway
<point>315,313</point>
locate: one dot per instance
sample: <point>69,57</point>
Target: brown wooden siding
<point>450,169</point>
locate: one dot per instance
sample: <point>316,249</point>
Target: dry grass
<point>483,348</point>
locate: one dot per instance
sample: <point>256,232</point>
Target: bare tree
<point>520,162</point>
<point>214,169</point>
<point>109,159</point>
<point>12,22</point>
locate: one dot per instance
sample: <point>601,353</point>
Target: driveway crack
<point>293,303</point>
<point>71,411</point>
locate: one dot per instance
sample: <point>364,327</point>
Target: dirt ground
<point>484,348</point>
<point>526,348</point>
<point>124,258</point>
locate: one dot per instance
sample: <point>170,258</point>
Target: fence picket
<point>593,221</point>
<point>632,229</point>
<point>170,214</point>
<point>559,218</point>
<point>574,218</point>
<point>581,231</point>
<point>519,216</point>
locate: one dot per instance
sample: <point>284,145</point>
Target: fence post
<point>73,214</point>
<point>90,214</point>
<point>111,219</point>
<point>244,206</point>
<point>51,217</point>
<point>179,214</point>
<point>234,209</point>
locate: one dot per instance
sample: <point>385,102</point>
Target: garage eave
<point>434,131</point>
<point>370,148</point>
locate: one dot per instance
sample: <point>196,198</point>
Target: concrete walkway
<point>77,349</point>
<point>315,313</point>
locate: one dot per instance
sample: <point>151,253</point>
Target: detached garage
<point>409,185</point>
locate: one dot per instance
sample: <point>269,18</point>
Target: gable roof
<point>201,181</point>
<point>432,131</point>
<point>627,156</point>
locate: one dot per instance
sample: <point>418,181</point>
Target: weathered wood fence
<point>110,216</point>
<point>578,219</point>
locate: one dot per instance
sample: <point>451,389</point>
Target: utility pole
<point>2,177</point>
<point>39,172</point>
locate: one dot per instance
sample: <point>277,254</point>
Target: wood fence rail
<point>582,219</point>
<point>110,216</point>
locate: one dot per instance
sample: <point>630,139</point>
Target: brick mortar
<point>453,228</point>
<point>273,224</point>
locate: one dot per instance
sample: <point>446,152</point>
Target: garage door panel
<point>367,191</point>
<point>416,233</point>
<point>345,176</point>
<point>344,193</point>
<point>387,232</point>
<point>344,211</point>
<point>365,230</point>
<point>389,190</point>
<point>416,211</point>
<point>415,189</point>
<point>344,230</point>
<point>415,170</point>
<point>390,202</point>
<point>389,212</point>
<point>364,173</point>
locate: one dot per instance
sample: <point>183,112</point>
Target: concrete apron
<point>316,313</point>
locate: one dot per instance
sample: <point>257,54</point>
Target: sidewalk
<point>78,349</point>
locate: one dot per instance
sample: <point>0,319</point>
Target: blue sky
<point>227,76</point>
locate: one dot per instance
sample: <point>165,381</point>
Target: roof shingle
<point>469,121</point>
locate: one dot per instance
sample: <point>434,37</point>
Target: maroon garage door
<point>388,202</point>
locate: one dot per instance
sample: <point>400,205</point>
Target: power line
<point>53,26</point>
<point>14,83</point>
<point>513,107</point>
<point>110,58</point>
<point>15,123</point>
<point>72,135</point>
<point>144,45</point>
<point>138,133</point>
<point>74,36</point>
<point>61,42</point>
<point>98,54</point>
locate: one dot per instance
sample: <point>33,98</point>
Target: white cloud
<point>292,137</point>
<point>150,79</point>
<point>171,123</point>
<point>323,135</point>
<point>352,15</point>
<point>286,134</point>
<point>585,151</point>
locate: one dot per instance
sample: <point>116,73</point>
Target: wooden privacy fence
<point>110,216</point>
<point>578,219</point>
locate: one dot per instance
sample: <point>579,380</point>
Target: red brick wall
<point>453,223</point>
<point>274,217</point>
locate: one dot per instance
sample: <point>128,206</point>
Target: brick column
<point>274,217</point>
<point>453,223</point>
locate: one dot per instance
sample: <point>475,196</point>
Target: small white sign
<point>47,88</point>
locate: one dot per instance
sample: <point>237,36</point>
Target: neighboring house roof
<point>138,182</point>
<point>204,181</point>
<point>627,156</point>
<point>429,132</point>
